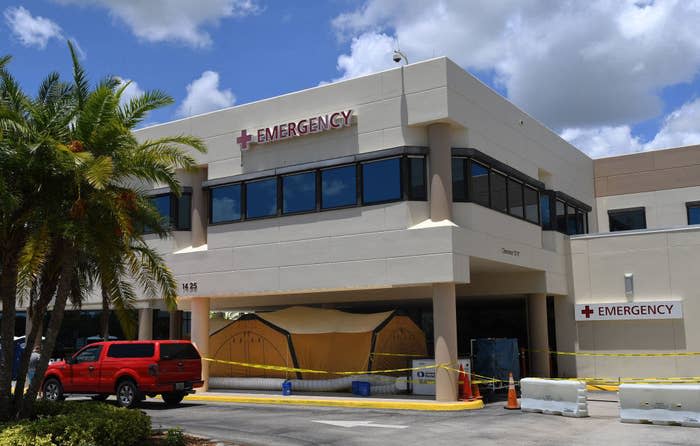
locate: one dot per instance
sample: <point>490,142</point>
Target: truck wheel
<point>173,398</point>
<point>53,390</point>
<point>127,394</point>
<point>100,397</point>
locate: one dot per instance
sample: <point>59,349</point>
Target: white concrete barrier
<point>668,404</point>
<point>554,397</point>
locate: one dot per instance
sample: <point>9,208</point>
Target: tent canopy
<point>317,339</point>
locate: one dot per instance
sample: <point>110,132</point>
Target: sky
<point>609,76</point>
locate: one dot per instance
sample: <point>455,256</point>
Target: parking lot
<point>268,425</point>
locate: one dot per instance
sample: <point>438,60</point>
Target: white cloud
<point>31,30</point>
<point>131,91</point>
<point>680,128</point>
<point>204,95</point>
<point>173,20</point>
<point>569,64</point>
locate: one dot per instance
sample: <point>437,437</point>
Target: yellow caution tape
<point>551,352</point>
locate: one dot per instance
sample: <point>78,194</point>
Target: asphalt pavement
<point>254,424</point>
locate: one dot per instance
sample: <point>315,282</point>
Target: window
<point>480,184</point>
<point>532,213</point>
<point>225,203</point>
<point>89,354</point>
<point>560,216</point>
<point>184,212</point>
<point>499,199</point>
<point>381,181</point>
<point>162,205</point>
<point>693,212</point>
<point>627,219</point>
<point>417,189</point>
<point>261,198</point>
<point>299,192</point>
<point>183,350</point>
<point>545,212</point>
<point>144,350</point>
<point>515,198</point>
<point>571,223</point>
<point>459,184</point>
<point>580,222</point>
<point>339,187</point>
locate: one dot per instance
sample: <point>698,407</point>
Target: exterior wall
<point>663,264</point>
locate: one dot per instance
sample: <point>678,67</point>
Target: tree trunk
<point>104,317</point>
<point>49,282</point>
<point>8,297</point>
<point>59,306</point>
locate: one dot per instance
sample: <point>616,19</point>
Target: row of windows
<point>477,182</point>
<point>362,183</point>
<point>177,211</point>
<point>635,218</point>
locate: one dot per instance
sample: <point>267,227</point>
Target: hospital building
<point>421,190</point>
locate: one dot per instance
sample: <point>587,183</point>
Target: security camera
<point>397,57</point>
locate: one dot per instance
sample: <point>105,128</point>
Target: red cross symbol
<point>244,139</point>
<point>587,311</point>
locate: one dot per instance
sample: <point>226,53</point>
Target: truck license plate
<point>179,386</point>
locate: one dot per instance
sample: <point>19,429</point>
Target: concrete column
<point>175,325</point>
<point>199,209</point>
<point>440,162</point>
<point>538,334</point>
<point>445,328</point>
<point>145,324</point>
<point>200,333</point>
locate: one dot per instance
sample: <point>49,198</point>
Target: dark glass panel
<point>694,215</point>
<point>531,200</point>
<point>545,212</point>
<point>627,220</point>
<point>299,192</point>
<point>499,201</point>
<point>560,216</point>
<point>226,203</point>
<point>381,181</point>
<point>459,185</point>
<point>417,189</point>
<point>515,198</point>
<point>480,184</point>
<point>261,198</point>
<point>339,187</point>
<point>184,212</point>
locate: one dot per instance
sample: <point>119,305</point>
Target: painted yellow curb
<point>603,387</point>
<point>366,404</point>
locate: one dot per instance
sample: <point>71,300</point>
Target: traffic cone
<point>475,391</point>
<point>466,387</point>
<point>512,397</point>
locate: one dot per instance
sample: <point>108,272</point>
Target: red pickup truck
<point>131,370</point>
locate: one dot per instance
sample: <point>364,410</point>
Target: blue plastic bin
<point>361,388</point>
<point>287,388</point>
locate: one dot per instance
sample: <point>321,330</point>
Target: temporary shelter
<point>315,339</point>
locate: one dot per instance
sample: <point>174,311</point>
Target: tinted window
<point>693,214</point>
<point>515,198</point>
<point>144,350</point>
<point>571,223</point>
<point>162,205</point>
<point>90,354</point>
<point>184,212</point>
<point>531,200</point>
<point>416,178</point>
<point>381,181</point>
<point>261,198</point>
<point>480,184</point>
<point>459,186</point>
<point>299,192</point>
<point>178,351</point>
<point>226,203</point>
<point>545,212</point>
<point>338,187</point>
<point>561,216</point>
<point>627,219</point>
<point>580,218</point>
<point>498,192</point>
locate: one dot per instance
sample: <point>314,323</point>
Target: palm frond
<point>138,108</point>
<point>99,172</point>
<point>81,87</point>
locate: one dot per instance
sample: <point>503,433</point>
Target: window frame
<point>317,174</point>
<point>210,200</point>
<point>688,206</point>
<point>612,212</point>
<point>362,165</point>
<point>278,205</point>
<point>358,188</point>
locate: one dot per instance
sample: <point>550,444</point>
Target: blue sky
<point>610,76</point>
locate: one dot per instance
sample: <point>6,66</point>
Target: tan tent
<point>317,339</point>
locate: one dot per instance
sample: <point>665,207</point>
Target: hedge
<point>78,423</point>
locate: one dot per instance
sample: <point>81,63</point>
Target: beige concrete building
<point>421,189</point>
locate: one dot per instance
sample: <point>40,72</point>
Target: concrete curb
<point>366,404</point>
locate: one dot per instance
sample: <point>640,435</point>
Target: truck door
<point>85,372</point>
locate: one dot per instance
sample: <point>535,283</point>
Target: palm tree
<point>86,226</point>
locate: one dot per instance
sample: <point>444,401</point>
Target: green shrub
<point>79,423</point>
<point>174,437</point>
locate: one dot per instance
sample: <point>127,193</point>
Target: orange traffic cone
<point>475,391</point>
<point>512,397</point>
<point>466,387</point>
